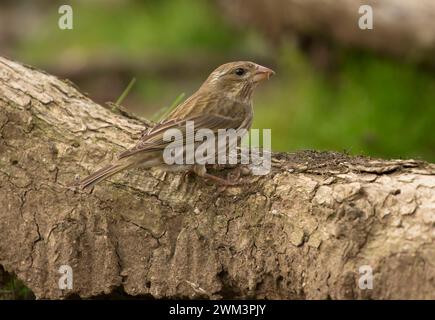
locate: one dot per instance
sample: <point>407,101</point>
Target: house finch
<point>224,101</point>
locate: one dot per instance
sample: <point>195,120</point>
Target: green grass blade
<point>163,112</point>
<point>125,92</point>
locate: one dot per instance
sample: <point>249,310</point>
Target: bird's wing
<point>153,140</point>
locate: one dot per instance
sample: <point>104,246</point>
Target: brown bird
<point>224,101</point>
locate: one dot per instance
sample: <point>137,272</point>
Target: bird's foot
<point>233,179</point>
<point>220,181</point>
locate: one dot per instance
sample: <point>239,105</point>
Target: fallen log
<point>320,225</point>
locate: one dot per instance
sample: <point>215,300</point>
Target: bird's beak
<point>262,73</point>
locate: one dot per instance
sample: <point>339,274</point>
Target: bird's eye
<point>240,71</point>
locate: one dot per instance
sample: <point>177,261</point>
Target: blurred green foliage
<point>368,105</point>
<point>13,289</point>
<point>137,29</point>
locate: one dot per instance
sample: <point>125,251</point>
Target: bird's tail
<point>103,174</point>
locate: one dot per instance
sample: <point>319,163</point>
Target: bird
<point>223,101</point>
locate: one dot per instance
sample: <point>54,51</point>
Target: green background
<point>364,104</point>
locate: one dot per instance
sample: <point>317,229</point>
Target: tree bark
<point>401,28</point>
<point>301,232</point>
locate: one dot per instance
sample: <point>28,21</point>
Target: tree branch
<point>303,231</point>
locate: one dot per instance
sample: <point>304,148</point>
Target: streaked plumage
<point>224,101</point>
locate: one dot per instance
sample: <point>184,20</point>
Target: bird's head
<point>237,80</point>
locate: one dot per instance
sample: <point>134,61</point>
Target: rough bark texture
<point>403,28</point>
<point>303,231</point>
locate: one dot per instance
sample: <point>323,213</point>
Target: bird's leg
<point>201,171</point>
